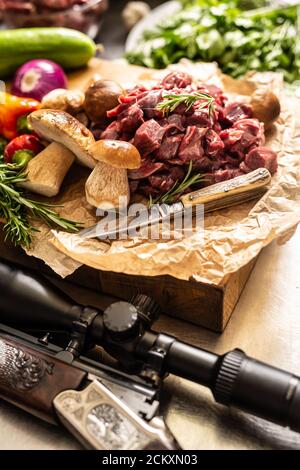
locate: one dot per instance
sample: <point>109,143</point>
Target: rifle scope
<point>123,330</point>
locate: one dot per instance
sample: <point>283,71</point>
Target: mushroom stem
<point>107,187</point>
<point>46,172</point>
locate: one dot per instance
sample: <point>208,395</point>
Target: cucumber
<point>69,48</point>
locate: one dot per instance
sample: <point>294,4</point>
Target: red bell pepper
<point>11,108</point>
<point>22,142</point>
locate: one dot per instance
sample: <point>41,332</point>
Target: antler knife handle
<point>31,380</point>
<point>228,193</point>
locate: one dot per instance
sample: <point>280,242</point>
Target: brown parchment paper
<point>230,238</point>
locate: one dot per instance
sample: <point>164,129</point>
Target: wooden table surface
<point>265,323</point>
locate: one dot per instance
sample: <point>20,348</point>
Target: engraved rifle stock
<point>31,379</point>
<point>103,410</point>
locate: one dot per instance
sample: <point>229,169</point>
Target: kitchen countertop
<point>265,323</point>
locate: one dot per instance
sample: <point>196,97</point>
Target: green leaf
<point>247,37</point>
<point>171,101</point>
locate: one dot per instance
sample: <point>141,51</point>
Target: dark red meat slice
<point>216,93</point>
<point>253,127</point>
<point>235,111</point>
<point>260,157</point>
<point>130,119</point>
<point>113,113</point>
<point>192,148</point>
<point>166,180</point>
<point>213,143</point>
<point>230,137</point>
<point>111,132</point>
<point>149,103</point>
<point>177,80</point>
<point>148,137</point>
<point>169,148</point>
<point>133,94</point>
<point>226,174</point>
<point>200,118</point>
<point>173,124</point>
<point>240,138</point>
<point>147,168</point>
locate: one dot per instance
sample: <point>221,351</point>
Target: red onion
<point>38,77</point>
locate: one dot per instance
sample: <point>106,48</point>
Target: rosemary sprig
<point>17,227</point>
<point>171,101</point>
<point>17,209</point>
<point>178,188</point>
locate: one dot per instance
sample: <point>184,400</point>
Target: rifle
<point>117,408</point>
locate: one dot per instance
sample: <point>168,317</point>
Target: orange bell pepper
<point>11,108</point>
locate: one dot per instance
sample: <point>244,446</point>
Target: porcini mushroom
<point>265,105</point>
<point>46,172</point>
<point>70,101</point>
<point>100,97</point>
<point>61,127</point>
<point>109,181</point>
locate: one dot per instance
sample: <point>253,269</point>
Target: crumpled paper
<point>230,238</point>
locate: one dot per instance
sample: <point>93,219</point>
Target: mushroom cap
<point>70,101</point>
<point>100,97</point>
<point>59,126</point>
<point>265,105</point>
<point>116,153</point>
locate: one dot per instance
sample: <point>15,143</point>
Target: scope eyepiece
<point>258,388</point>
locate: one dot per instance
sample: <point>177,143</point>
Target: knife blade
<point>217,196</point>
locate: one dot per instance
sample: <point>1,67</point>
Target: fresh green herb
<point>263,39</point>
<point>171,101</point>
<point>178,188</point>
<point>17,209</point>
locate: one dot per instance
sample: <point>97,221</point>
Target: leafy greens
<point>263,39</point>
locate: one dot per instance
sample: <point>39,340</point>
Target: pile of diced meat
<point>221,144</point>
